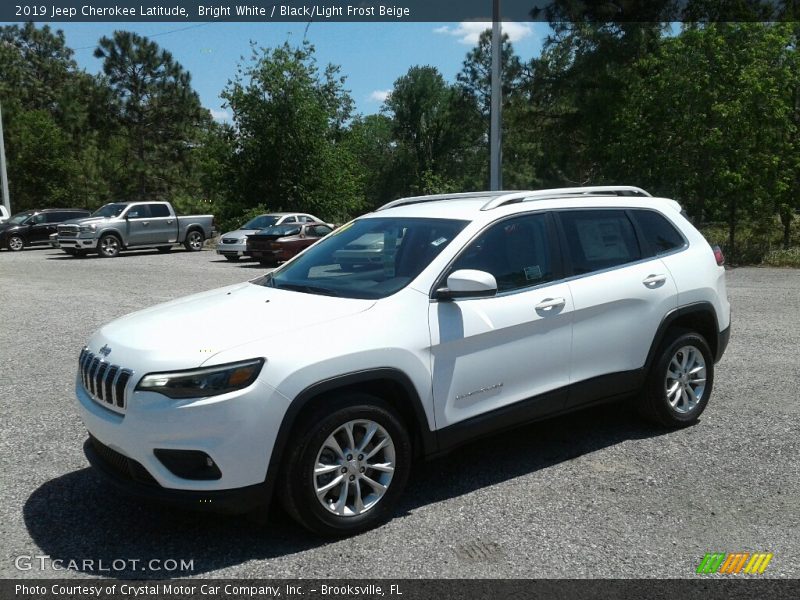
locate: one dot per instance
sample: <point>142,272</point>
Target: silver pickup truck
<point>131,226</point>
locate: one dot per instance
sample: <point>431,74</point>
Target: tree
<point>431,125</point>
<point>290,127</point>
<point>158,112</point>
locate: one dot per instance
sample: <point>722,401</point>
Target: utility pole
<point>496,120</point>
<point>3,175</point>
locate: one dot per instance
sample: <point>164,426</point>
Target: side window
<point>39,219</point>
<point>516,251</point>
<point>140,211</point>
<point>158,210</point>
<point>290,220</point>
<point>321,230</point>
<point>599,239</point>
<point>55,217</point>
<point>660,234</point>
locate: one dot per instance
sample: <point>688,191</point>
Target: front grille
<point>104,382</point>
<point>121,464</point>
<point>68,230</point>
<point>229,240</point>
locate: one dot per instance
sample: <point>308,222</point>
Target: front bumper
<point>76,243</point>
<point>236,430</point>
<point>132,479</point>
<point>232,249</point>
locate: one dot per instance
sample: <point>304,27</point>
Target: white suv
<point>487,311</point>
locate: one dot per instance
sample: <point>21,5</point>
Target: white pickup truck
<point>132,226</point>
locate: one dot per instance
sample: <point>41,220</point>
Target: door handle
<point>549,303</point>
<point>145,223</point>
<point>169,222</point>
<point>654,280</point>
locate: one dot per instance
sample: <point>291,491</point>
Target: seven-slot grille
<point>68,230</point>
<point>229,240</point>
<point>104,382</point>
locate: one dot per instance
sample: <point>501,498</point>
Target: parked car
<point>321,386</point>
<point>279,243</point>
<point>3,214</point>
<point>34,227</point>
<point>233,245</point>
<point>122,226</point>
<point>54,240</point>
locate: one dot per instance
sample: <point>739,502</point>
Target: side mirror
<point>468,283</point>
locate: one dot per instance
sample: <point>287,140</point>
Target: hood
<point>5,226</point>
<point>238,233</point>
<point>84,221</point>
<point>187,332</point>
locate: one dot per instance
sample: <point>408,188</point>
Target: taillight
<point>718,255</point>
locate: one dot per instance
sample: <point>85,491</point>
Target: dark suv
<point>33,227</point>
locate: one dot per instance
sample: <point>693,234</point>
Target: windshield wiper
<point>308,289</point>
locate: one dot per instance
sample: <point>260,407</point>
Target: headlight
<point>243,240</point>
<point>207,381</point>
<point>88,228</point>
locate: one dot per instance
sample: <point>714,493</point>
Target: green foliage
<point>783,258</point>
<point>157,112</point>
<point>290,121</point>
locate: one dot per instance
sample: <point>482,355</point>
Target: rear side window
<point>658,232</point>
<point>599,239</point>
<point>158,210</point>
<point>56,217</point>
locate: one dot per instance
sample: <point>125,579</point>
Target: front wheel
<point>194,241</point>
<point>108,246</point>
<point>15,243</point>
<point>680,381</point>
<point>347,466</point>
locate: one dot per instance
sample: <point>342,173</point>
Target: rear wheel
<point>347,466</point>
<point>194,241</point>
<point>680,381</point>
<point>108,246</point>
<point>15,243</point>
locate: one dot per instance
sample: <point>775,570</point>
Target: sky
<point>372,55</point>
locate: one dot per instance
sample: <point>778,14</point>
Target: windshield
<point>110,210</point>
<point>341,264</point>
<point>281,230</point>
<point>260,222</point>
<point>19,218</point>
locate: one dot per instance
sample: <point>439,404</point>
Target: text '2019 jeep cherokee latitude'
<point>486,310</point>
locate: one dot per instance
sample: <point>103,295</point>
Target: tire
<point>164,249</point>
<point>15,243</point>
<point>108,246</point>
<point>684,364</point>
<point>232,258</point>
<point>370,493</point>
<point>194,241</point>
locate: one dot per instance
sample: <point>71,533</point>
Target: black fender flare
<point>704,308</point>
<point>427,437</point>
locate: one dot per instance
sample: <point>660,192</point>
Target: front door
<point>511,351</point>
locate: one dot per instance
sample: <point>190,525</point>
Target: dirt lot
<point>596,494</point>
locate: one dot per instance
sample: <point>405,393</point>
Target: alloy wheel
<point>685,382</point>
<point>354,468</point>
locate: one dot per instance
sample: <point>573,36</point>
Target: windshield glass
<point>110,210</point>
<point>19,218</point>
<point>281,230</point>
<point>350,262</point>
<point>260,222</point>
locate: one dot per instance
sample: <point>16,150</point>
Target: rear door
<point>163,225</point>
<point>490,354</point>
<point>620,296</point>
<point>40,228</point>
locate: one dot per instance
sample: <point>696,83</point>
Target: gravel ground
<point>596,494</point>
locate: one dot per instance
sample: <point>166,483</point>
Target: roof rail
<point>597,190</point>
<point>437,197</point>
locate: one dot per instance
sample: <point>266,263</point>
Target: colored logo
<point>735,563</point>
